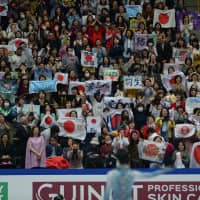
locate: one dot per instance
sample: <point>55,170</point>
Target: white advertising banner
<point>78,186</point>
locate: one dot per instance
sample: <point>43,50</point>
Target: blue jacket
<point>120,182</point>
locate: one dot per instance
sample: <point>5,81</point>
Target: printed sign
<point>27,108</point>
<point>42,86</point>
<point>111,74</point>
<point>174,66</point>
<point>191,104</point>
<point>3,191</point>
<point>133,10</point>
<point>101,86</point>
<point>133,82</point>
<point>111,102</point>
<point>46,73</point>
<point>193,19</point>
<point>140,40</point>
<point>81,185</point>
<point>8,86</point>
<point>180,55</point>
<point>152,190</point>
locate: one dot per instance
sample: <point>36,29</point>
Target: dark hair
<point>122,156</point>
<point>150,130</point>
<point>6,135</point>
<point>162,112</point>
<point>59,197</point>
<point>33,130</point>
<point>54,130</point>
<point>178,142</point>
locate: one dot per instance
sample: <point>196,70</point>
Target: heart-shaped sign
<point>197,154</point>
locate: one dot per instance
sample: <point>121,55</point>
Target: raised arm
<point>143,175</point>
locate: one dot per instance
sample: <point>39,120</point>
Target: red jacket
<point>145,129</point>
<point>94,36</point>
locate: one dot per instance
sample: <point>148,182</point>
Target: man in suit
<point>22,133</point>
<point>164,51</point>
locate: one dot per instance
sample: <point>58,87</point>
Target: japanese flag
<point>17,42</point>
<point>184,130</point>
<point>61,78</point>
<point>195,156</point>
<point>88,59</point>
<point>165,17</point>
<point>72,127</point>
<point>47,121</point>
<point>151,151</point>
<point>66,112</point>
<point>80,86</point>
<point>3,9</point>
<point>94,124</point>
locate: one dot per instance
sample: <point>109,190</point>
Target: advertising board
<point>84,185</point>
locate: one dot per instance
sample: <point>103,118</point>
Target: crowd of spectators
<point>57,32</point>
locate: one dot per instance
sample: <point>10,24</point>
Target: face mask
<point>87,75</point>
<point>140,109</point>
<point>6,104</point>
<point>22,16</point>
<point>31,28</point>
<point>108,142</point>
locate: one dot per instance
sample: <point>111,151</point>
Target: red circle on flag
<point>60,77</point>
<point>163,18</point>
<point>69,126</point>
<point>185,130</point>
<point>93,121</point>
<point>151,150</point>
<point>48,120</point>
<point>81,88</point>
<point>67,114</point>
<point>88,58</point>
<point>18,42</point>
<point>197,154</point>
<point>2,8</point>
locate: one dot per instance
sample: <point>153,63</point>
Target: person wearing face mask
<point>140,113</point>
<point>22,21</point>
<point>9,111</point>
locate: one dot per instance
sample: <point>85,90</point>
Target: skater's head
<point>59,197</point>
<point>122,156</point>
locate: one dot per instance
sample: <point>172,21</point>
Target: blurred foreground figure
<point>120,180</point>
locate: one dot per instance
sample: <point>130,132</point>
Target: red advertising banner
<point>95,190</point>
